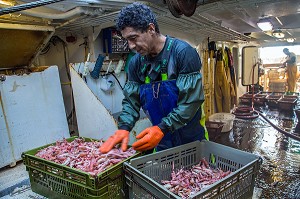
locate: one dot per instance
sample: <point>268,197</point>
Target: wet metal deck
<point>279,174</point>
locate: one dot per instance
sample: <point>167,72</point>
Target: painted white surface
<point>250,58</point>
<point>93,119</point>
<point>94,107</point>
<point>32,113</point>
<point>112,100</point>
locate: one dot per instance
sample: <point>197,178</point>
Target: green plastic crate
<point>54,180</point>
<point>144,174</point>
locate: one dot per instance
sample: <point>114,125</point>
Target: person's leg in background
<point>291,78</point>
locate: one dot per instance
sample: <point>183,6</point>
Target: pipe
<point>26,6</point>
<point>74,12</point>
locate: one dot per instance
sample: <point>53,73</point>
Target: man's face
<point>138,41</point>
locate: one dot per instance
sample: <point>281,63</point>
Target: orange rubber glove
<point>149,138</point>
<point>120,136</point>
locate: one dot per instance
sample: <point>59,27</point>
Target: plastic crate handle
<point>131,180</point>
<point>128,181</point>
<point>128,175</point>
<point>116,177</point>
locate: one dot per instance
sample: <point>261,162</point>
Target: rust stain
<point>7,128</point>
<point>15,86</point>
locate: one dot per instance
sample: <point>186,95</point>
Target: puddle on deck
<point>279,174</point>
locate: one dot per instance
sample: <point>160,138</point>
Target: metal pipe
<point>26,6</point>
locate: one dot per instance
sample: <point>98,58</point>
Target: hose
<point>295,137</point>
<point>245,113</point>
<point>250,113</point>
<point>26,6</point>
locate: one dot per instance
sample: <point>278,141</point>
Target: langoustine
<point>186,183</point>
<point>84,156</point>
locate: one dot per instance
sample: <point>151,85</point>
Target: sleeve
<point>131,102</point>
<point>191,96</point>
<point>131,106</point>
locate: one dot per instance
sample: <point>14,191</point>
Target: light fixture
<point>290,40</point>
<point>278,33</point>
<point>7,2</point>
<point>265,24</point>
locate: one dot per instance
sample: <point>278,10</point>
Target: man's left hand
<point>148,139</point>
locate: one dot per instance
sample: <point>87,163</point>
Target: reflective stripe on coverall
<point>202,122</point>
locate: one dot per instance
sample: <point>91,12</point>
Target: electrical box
<point>113,42</point>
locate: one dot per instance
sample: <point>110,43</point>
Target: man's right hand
<point>120,136</point>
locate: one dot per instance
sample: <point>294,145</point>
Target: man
<point>291,68</point>
<point>164,80</point>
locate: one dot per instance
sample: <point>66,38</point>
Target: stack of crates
<point>144,174</point>
<point>277,85</point>
<point>54,180</point>
<point>273,74</point>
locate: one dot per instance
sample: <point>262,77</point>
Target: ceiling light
<point>290,40</point>
<point>7,2</point>
<point>265,24</point>
<point>278,34</point>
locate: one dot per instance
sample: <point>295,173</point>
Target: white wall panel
<point>93,119</point>
<point>32,113</point>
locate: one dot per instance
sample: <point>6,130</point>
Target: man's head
<point>286,51</point>
<point>138,25</point>
<point>137,16</point>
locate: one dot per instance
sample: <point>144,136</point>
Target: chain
<point>155,93</point>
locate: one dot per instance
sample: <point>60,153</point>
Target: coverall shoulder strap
<point>143,64</point>
<point>165,57</point>
<point>166,54</point>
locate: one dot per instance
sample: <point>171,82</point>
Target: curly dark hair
<point>137,16</point>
